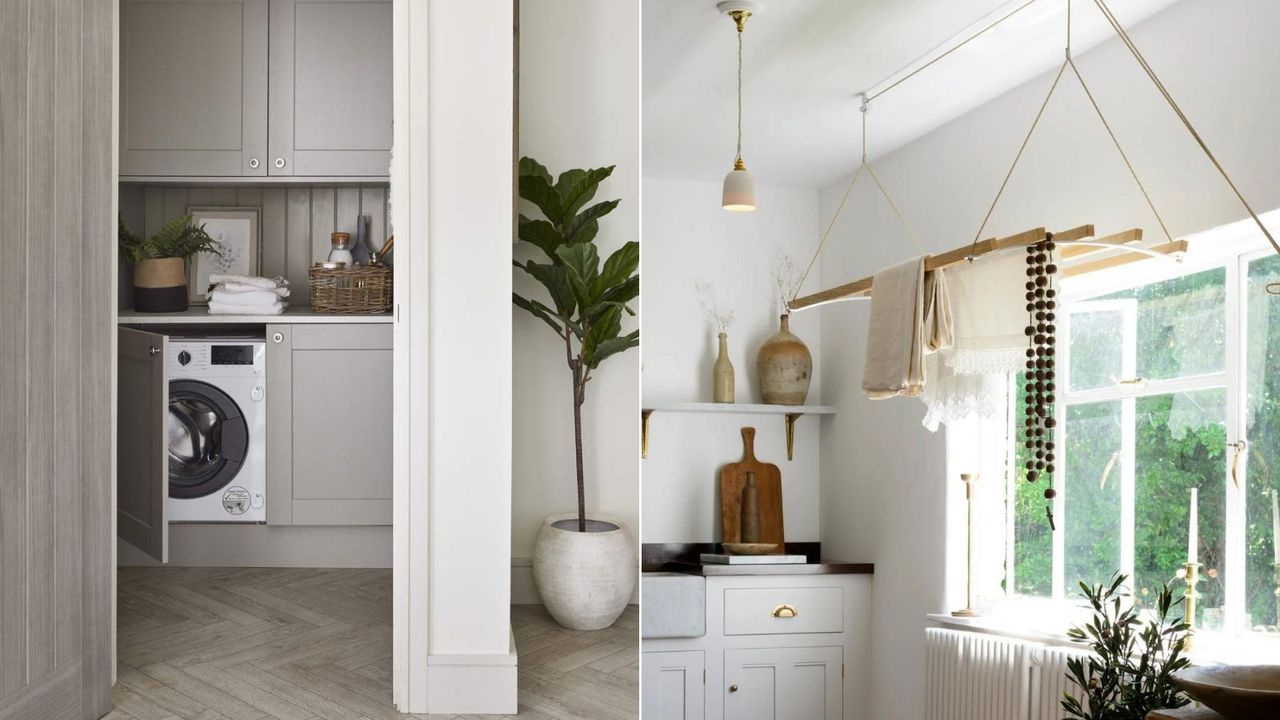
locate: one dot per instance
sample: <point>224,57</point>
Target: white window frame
<point>1235,250</point>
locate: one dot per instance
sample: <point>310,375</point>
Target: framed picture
<point>235,229</point>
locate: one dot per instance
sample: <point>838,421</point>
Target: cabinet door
<point>142,442</point>
<point>330,87</point>
<point>329,424</point>
<point>193,87</point>
<point>673,686</point>
<point>783,683</point>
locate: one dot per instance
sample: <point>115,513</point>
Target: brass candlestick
<point>968,611</point>
<point>1193,577</point>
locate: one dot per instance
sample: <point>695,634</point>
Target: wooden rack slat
<point>1169,248</point>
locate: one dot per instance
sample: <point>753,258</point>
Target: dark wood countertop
<point>683,558</point>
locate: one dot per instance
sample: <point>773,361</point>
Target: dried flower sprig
<point>707,299</point>
<point>786,279</point>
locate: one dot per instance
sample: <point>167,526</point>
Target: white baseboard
<point>472,684</point>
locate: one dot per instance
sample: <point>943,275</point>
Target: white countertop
<point>199,315</point>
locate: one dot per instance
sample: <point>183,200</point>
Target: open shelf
<point>789,413</point>
<point>199,315</point>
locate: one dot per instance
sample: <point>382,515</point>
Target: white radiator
<point>975,676</point>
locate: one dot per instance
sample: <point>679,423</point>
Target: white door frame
<point>410,382</point>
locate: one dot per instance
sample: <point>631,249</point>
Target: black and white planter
<point>585,578</point>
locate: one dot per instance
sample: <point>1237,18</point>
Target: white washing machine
<point>217,430</point>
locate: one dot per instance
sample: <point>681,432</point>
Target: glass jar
<point>341,248</point>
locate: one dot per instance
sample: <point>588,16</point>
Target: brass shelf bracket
<point>644,433</point>
<point>791,434</point>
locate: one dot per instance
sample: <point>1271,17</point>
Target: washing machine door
<point>208,439</point>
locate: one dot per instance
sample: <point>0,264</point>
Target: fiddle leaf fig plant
<point>585,299</point>
<point>1130,672</point>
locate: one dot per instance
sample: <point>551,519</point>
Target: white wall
<point>579,108</point>
<point>689,238</point>
<point>452,195</point>
<point>883,475</point>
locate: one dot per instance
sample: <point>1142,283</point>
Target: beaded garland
<point>1040,375</point>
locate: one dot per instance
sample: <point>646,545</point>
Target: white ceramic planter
<point>585,579</point>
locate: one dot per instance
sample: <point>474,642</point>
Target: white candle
<point>1194,530</point>
<point>1275,524</point>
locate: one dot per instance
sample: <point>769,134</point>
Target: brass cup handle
<point>784,611</point>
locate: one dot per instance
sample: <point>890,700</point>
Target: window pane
<point>1097,345</point>
<point>1033,541</point>
<point>1181,325</point>
<point>1091,493</point>
<point>1262,385</point>
<point>1179,445</point>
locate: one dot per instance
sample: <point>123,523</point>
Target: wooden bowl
<point>1238,692</point>
<point>750,548</point>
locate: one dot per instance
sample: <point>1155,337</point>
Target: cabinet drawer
<point>783,611</point>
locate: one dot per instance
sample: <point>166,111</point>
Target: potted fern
<point>585,568</point>
<point>160,263</point>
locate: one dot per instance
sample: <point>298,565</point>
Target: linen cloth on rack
<point>910,318</point>
<point>245,295</point>
<point>971,378</point>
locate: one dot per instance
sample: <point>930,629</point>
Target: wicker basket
<point>348,291</point>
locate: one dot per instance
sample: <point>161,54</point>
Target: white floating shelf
<point>741,408</point>
<point>789,413</point>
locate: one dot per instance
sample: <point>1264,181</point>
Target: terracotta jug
<point>784,367</point>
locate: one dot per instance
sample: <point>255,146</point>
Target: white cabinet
<point>779,647</point>
<point>782,683</point>
<point>254,88</point>
<point>674,685</point>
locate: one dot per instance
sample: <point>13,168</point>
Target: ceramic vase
<point>723,374</point>
<point>585,579</point>
<point>160,285</point>
<point>784,367</point>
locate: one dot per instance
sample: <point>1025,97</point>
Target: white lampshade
<point>739,190</point>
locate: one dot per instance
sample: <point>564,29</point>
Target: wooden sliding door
<point>56,248</point>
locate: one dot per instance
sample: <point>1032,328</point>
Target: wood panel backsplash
<point>296,221</point>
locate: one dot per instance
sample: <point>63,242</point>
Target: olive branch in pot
<point>587,299</point>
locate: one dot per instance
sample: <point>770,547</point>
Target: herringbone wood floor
<point>307,644</point>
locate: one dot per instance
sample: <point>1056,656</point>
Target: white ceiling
<point>805,61</point>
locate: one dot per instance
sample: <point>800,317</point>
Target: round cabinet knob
<point>279,162</point>
<point>184,357</point>
<point>153,351</point>
<point>733,688</point>
<point>254,163</point>
<point>278,337</point>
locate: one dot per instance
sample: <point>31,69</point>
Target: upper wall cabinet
<point>330,93</point>
<point>254,88</point>
<point>193,87</point>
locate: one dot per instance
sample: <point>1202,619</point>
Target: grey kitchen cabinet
<point>142,450</point>
<point>330,87</point>
<point>255,88</point>
<point>193,88</point>
<point>329,424</point>
<point>779,683</point>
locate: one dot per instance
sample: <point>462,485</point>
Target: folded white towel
<point>217,308</point>
<point>260,282</point>
<point>255,298</point>
<point>240,288</point>
<point>910,317</point>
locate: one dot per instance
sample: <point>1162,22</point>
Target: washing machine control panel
<point>217,359</point>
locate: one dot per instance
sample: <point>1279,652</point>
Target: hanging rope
<point>864,165</point>
<point>1142,61</point>
<point>1163,227</point>
<point>737,158</point>
<point>1016,158</point>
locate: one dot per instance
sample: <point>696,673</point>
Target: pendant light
<point>739,187</point>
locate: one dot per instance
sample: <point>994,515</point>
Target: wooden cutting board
<point>733,477</point>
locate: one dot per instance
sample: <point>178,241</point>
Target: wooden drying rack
<point>1078,242</point>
